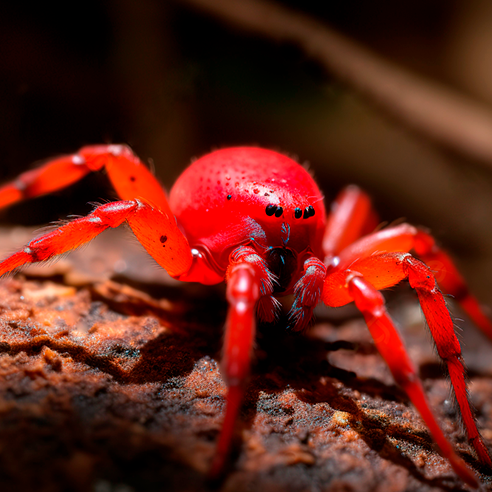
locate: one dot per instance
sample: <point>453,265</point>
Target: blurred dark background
<point>174,83</point>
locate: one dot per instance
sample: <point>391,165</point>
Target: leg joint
<point>113,214</point>
<point>419,274</point>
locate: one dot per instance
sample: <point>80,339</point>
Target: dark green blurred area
<point>174,84</point>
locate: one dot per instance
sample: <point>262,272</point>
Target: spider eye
<point>297,213</point>
<point>308,212</point>
<point>279,212</point>
<point>271,209</point>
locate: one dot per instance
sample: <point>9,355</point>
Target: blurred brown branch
<point>448,118</point>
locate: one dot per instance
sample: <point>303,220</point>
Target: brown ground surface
<point>110,387</point>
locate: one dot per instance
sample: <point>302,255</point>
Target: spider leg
<point>248,279</point>
<point>351,217</point>
<point>450,279</point>
<point>441,327</point>
<point>307,293</point>
<point>387,269</point>
<point>128,175</point>
<point>155,230</point>
<point>404,238</point>
<point>389,344</point>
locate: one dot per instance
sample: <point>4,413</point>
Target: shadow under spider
<point>300,362</point>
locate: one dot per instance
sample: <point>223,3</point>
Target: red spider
<point>256,219</point>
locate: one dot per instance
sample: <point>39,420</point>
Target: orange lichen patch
<point>205,380</point>
<point>260,459</point>
<point>52,358</point>
<point>47,291</point>
<point>340,419</point>
<point>125,295</point>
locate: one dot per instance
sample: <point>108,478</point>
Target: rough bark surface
<point>108,387</point>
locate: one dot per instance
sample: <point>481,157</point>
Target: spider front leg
<point>155,230</point>
<point>128,175</point>
<point>447,344</point>
<point>389,344</point>
<point>248,281</point>
<point>450,279</point>
<point>358,277</point>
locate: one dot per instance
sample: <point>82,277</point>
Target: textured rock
<point>106,387</point>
